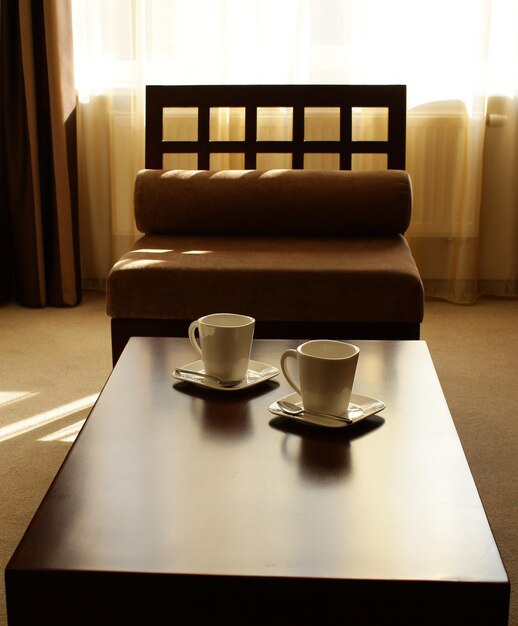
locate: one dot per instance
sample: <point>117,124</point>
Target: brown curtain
<point>39,252</point>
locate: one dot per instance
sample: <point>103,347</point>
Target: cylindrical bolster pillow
<point>273,202</point>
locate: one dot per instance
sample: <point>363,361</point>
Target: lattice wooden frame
<point>297,97</point>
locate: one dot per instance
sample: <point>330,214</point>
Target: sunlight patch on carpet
<point>67,434</point>
<point>8,397</point>
<point>42,419</point>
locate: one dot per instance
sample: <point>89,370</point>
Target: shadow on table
<point>323,455</point>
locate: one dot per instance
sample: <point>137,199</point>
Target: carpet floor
<point>54,362</point>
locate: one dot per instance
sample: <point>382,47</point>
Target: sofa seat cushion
<point>368,279</point>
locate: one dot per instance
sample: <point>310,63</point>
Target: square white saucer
<point>360,407</point>
<point>257,373</point>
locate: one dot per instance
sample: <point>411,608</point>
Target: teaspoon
<point>221,383</point>
<point>293,409</point>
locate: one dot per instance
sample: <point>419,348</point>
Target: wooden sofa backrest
<point>298,98</point>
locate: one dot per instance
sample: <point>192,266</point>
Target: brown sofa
<point>307,253</point>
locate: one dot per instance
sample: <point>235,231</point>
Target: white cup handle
<point>290,354</point>
<point>192,336</point>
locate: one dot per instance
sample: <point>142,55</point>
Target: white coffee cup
<point>326,371</point>
<point>225,344</point>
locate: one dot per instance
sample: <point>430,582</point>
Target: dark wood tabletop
<point>180,504</point>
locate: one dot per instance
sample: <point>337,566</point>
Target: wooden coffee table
<point>184,505</point>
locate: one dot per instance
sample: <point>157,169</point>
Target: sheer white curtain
<point>458,58</point>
